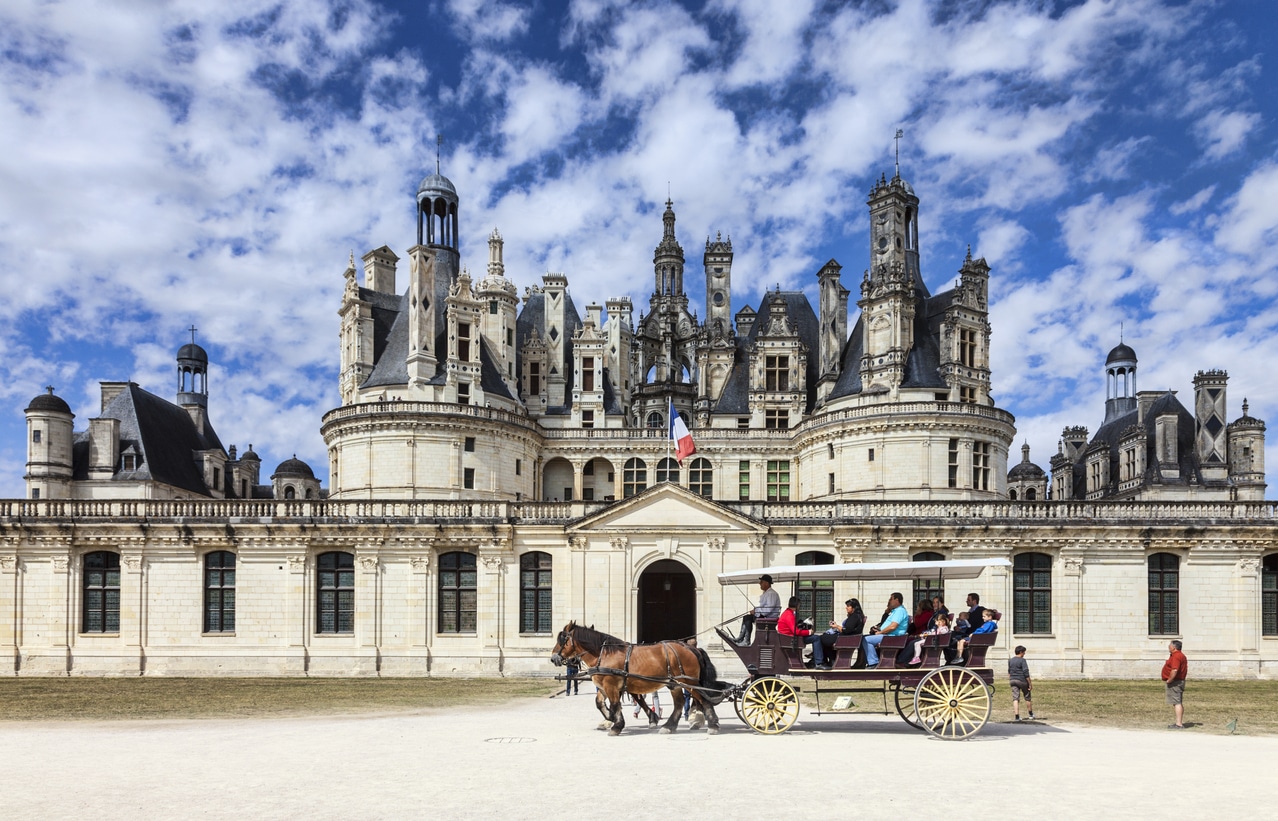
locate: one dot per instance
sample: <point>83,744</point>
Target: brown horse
<point>640,669</point>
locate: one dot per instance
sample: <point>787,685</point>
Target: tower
<point>1210,435</point>
<point>379,270</point>
<point>965,335</point>
<point>49,436</point>
<point>1247,457</point>
<point>888,289</point>
<point>667,258</point>
<point>193,385</point>
<point>1120,382</point>
<point>500,301</point>
<point>718,265</point>
<point>834,326</point>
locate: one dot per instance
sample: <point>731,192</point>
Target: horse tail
<point>709,676</point>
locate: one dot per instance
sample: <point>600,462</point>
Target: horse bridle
<point>564,638</point>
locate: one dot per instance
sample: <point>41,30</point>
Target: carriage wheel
<point>905,706</point>
<point>769,705</point>
<point>952,703</point>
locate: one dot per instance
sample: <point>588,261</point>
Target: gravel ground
<point>544,759</point>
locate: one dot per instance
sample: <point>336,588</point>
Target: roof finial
<point>439,141</point>
<point>1120,333</point>
<point>49,388</point>
<point>192,329</point>
<point>897,140</point>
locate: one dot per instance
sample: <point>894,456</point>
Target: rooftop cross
<point>192,329</point>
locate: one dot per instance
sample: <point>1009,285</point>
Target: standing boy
<point>1174,673</point>
<point>1018,673</point>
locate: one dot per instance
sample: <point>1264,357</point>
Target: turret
<point>888,289</point>
<point>499,301</point>
<point>718,265</point>
<point>834,326</point>
<point>1210,434</point>
<point>193,385</point>
<point>556,318</point>
<point>1120,382</point>
<point>379,270</point>
<point>49,437</point>
<point>1247,457</point>
<point>667,259</point>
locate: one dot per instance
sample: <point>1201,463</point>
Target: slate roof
<point>1112,432</point>
<point>533,317</point>
<point>161,433</point>
<point>922,366</point>
<point>736,391</point>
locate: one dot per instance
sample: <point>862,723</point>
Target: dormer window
<point>776,371</point>
<point>129,462</point>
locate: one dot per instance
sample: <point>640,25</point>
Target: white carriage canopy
<point>869,571</point>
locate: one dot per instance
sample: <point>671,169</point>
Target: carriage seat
<point>845,650</point>
<point>978,646</point>
<point>889,648</point>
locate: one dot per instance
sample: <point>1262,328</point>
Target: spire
<point>897,140</point>
<point>668,220</point>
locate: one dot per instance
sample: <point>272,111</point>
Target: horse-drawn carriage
<point>947,700</point>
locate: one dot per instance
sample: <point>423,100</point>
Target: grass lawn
<point>67,699</point>
<point>1209,705</point>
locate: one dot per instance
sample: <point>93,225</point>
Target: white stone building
<point>499,466</point>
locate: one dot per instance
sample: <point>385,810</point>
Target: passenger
<point>938,607</point>
<point>974,610</point>
<point>922,617</point>
<point>942,627</point>
<point>988,626</point>
<point>853,625</point>
<point>769,608</point>
<point>786,626</point>
<point>894,624</point>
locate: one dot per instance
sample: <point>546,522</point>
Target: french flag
<point>680,436</point>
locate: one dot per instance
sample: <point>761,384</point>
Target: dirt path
<point>545,759</point>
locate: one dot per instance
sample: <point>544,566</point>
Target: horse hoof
<point>603,725</point>
<point>614,732</point>
<point>712,731</point>
<point>666,731</point>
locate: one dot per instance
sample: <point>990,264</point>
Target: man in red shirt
<point>786,627</point>
<point>1174,673</point>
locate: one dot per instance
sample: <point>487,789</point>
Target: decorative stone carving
<point>1249,567</point>
<point>8,563</point>
<point>60,563</point>
<point>758,541</point>
<point>297,564</point>
<point>716,543</point>
<point>368,563</point>
<point>619,542</point>
<point>1073,565</point>
<point>491,562</point>
<point>421,564</point>
<point>132,562</point>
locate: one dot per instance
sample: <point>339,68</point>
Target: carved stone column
<point>298,605</point>
<point>1248,597</point>
<point>9,600</point>
<point>368,611</point>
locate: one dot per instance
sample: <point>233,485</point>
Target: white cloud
<point>489,20</point>
<point>1194,203</point>
<point>1223,132</point>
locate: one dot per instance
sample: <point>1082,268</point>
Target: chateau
<point>501,464</point>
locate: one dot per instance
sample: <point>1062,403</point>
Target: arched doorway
<point>667,602</point>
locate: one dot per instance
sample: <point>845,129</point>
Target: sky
<point>169,164</point>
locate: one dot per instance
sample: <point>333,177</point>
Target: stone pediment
<point>667,508</point>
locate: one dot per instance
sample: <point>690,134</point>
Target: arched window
<point>1269,596</point>
<point>335,592</point>
<point>1164,594</point>
<point>667,471</point>
<point>1032,593</point>
<point>926,588</point>
<point>534,593</point>
<point>1011,494</point>
<point>219,592</point>
<point>816,598</point>
<point>1031,494</point>
<point>701,478</point>
<point>458,600</point>
<point>656,420</point>
<point>101,593</point>
<point>634,477</point>
<point>290,493</point>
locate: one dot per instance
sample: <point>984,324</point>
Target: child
<point>988,627</point>
<point>1018,672</point>
<point>942,628</point>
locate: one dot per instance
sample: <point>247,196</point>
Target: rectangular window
<point>954,462</point>
<point>244,492</point>
<point>776,419</point>
<point>534,593</point>
<point>1164,594</point>
<point>534,378</point>
<point>217,478</point>
<point>588,469</point>
<point>519,467</point>
<point>458,596</point>
<point>587,494</point>
<point>463,393</point>
<point>35,435</point>
<point>35,493</point>
<point>492,307</point>
<point>588,419</point>
<point>776,373</point>
<point>101,593</point>
<point>1269,596</point>
<point>831,482</point>
<point>981,466</point>
<point>335,591</point>
<point>743,423</point>
<point>871,459</point>
<point>468,478</point>
<point>219,592</point>
<point>129,461</point>
<point>510,338</point>
<point>469,445</point>
<point>1032,593</point>
<point>567,494</point>
<point>587,373</point>
<point>940,396</point>
<point>463,341</point>
<point>967,348</point>
<point>779,481</point>
<point>967,395</point>
<point>743,481</point>
<point>829,451</point>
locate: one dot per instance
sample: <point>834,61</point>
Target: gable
<point>666,508</point>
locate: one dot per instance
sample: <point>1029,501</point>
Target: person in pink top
<point>941,629</point>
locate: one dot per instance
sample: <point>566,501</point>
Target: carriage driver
<point>894,624</point>
<point>769,608</point>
